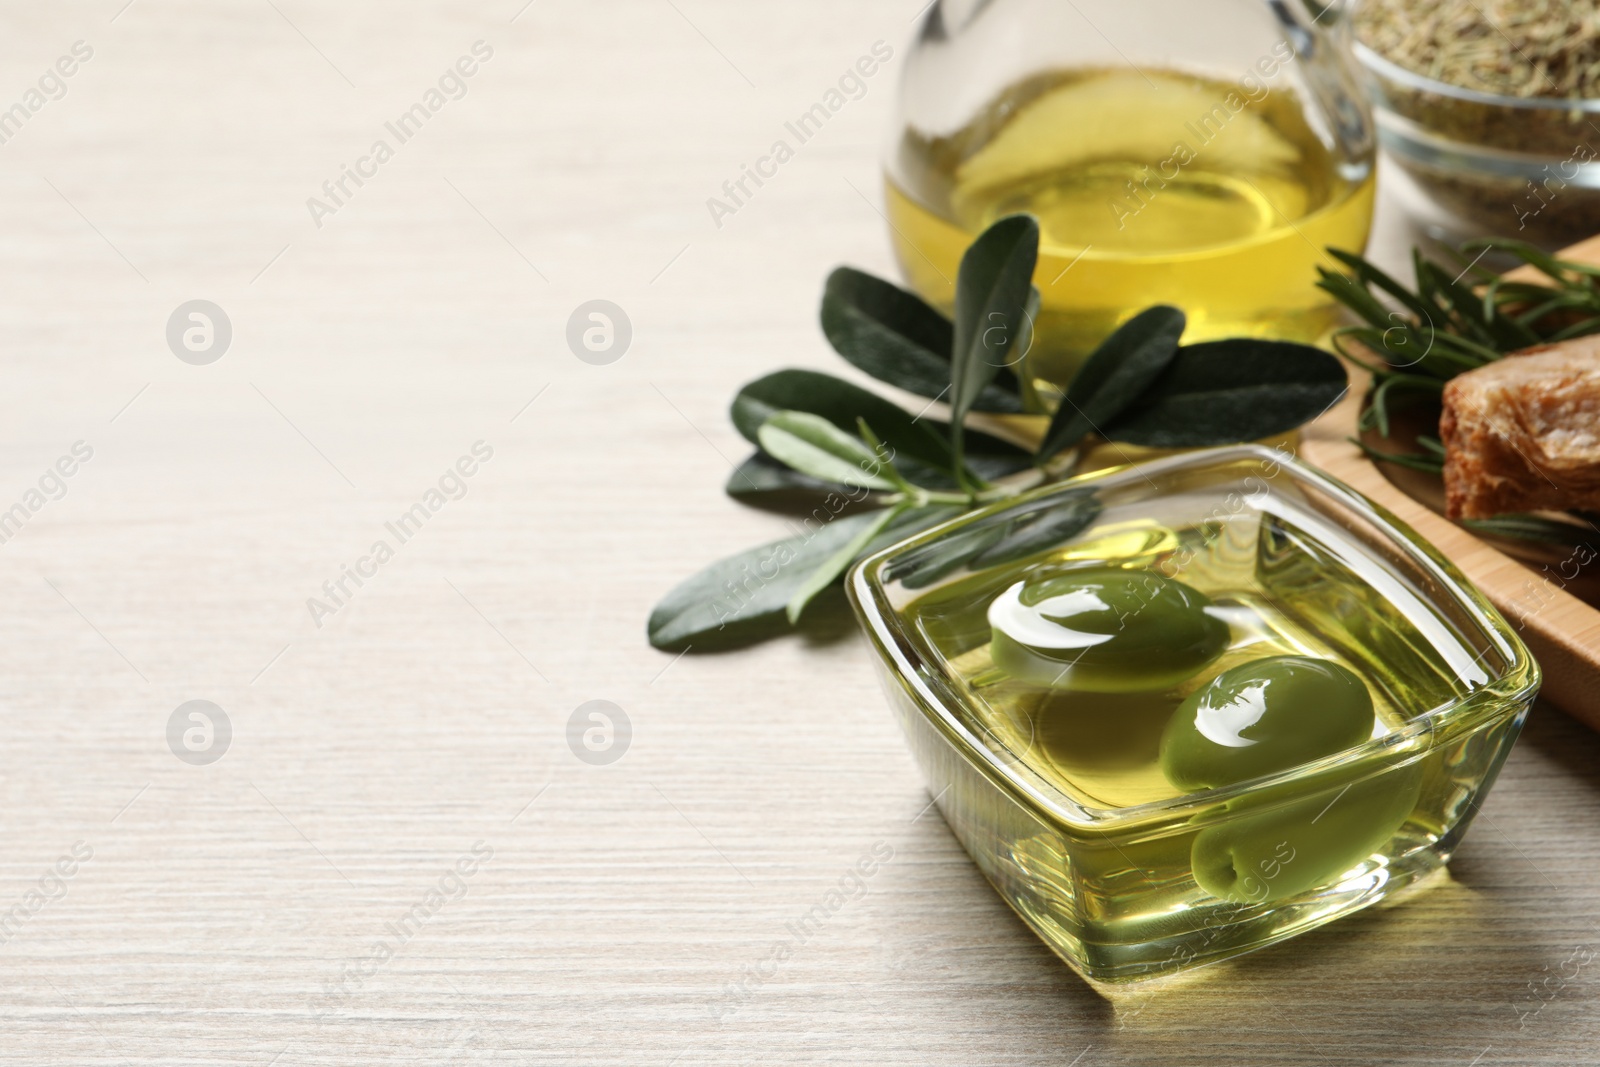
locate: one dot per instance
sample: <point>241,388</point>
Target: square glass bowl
<point>1058,795</point>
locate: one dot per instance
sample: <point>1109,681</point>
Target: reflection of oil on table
<point>1562,631</point>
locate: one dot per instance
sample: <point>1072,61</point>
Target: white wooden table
<point>233,913</point>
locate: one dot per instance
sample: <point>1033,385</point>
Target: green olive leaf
<point>1032,531</point>
<point>988,457</point>
<point>993,289</point>
<point>1224,392</point>
<point>1115,374</point>
<point>1029,331</point>
<point>897,338</point>
<point>930,563</point>
<point>841,403</point>
<point>745,597</point>
<point>836,564</point>
<point>1042,528</point>
<point>813,445</point>
<point>762,481</point>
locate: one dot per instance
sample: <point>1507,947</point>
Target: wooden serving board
<point>1562,631</point>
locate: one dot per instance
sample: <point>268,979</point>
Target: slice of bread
<point>1523,434</point>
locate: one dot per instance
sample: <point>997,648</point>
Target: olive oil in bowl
<point>1150,186</point>
<point>1236,705</point>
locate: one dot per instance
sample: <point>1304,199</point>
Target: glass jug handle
<point>1317,32</point>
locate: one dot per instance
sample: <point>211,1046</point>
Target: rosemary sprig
<point>1457,317</point>
<point>1431,464</point>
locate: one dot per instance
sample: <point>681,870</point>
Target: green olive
<point>1104,631</point>
<point>1264,716</point>
<point>1266,853</point>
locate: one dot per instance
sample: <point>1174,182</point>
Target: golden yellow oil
<point>1150,186</point>
<point>1128,897</point>
<point>1103,749</point>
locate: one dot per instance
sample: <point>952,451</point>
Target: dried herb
<point>1520,48</point>
<point>1517,76</point>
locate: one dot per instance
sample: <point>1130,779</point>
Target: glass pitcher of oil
<point>1200,153</point>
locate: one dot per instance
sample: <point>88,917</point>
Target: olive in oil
<point>1285,585</point>
<point>1150,186</point>
<point>1103,749</point>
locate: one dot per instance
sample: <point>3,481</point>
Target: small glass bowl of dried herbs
<point>1491,109</point>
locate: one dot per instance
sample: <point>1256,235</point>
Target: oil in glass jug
<point>1200,154</point>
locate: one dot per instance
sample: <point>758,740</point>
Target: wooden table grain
<point>400,858</point>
